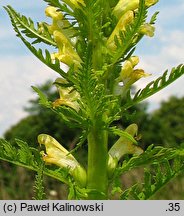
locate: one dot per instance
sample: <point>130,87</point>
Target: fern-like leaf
<point>155,178</point>
<point>28,157</point>
<point>151,155</point>
<point>122,133</point>
<point>154,18</point>
<point>155,86</point>
<point>27,27</point>
<point>42,97</point>
<point>163,164</point>
<point>7,150</point>
<point>25,155</point>
<point>45,58</point>
<point>70,115</point>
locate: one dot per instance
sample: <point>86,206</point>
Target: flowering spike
<point>58,155</point>
<point>62,33</point>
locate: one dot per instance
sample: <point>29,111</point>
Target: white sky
<point>19,69</point>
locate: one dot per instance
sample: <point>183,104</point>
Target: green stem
<point>97,164</point>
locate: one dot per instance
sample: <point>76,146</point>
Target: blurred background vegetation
<point>164,127</point>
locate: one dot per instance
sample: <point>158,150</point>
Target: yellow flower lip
<point>59,22</point>
<point>147,29</point>
<point>52,12</point>
<point>66,52</point>
<point>55,152</point>
<point>68,96</point>
<point>58,155</point>
<point>63,34</point>
<point>128,74</point>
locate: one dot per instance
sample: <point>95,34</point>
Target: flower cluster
<point>63,33</point>
<point>125,11</point>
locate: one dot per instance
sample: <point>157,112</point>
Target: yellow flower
<point>125,5</point>
<point>58,155</point>
<point>68,96</point>
<point>66,52</point>
<point>149,3</point>
<point>52,12</point>
<point>63,34</point>
<point>121,147</point>
<point>124,145</point>
<point>74,3</point>
<point>147,29</point>
<point>125,19</point>
<point>128,74</point>
<point>59,23</point>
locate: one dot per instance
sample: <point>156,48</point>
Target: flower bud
<point>52,12</point>
<point>58,155</point>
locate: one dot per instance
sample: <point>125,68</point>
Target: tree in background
<point>165,126</point>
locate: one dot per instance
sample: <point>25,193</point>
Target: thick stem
<point>97,164</point>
